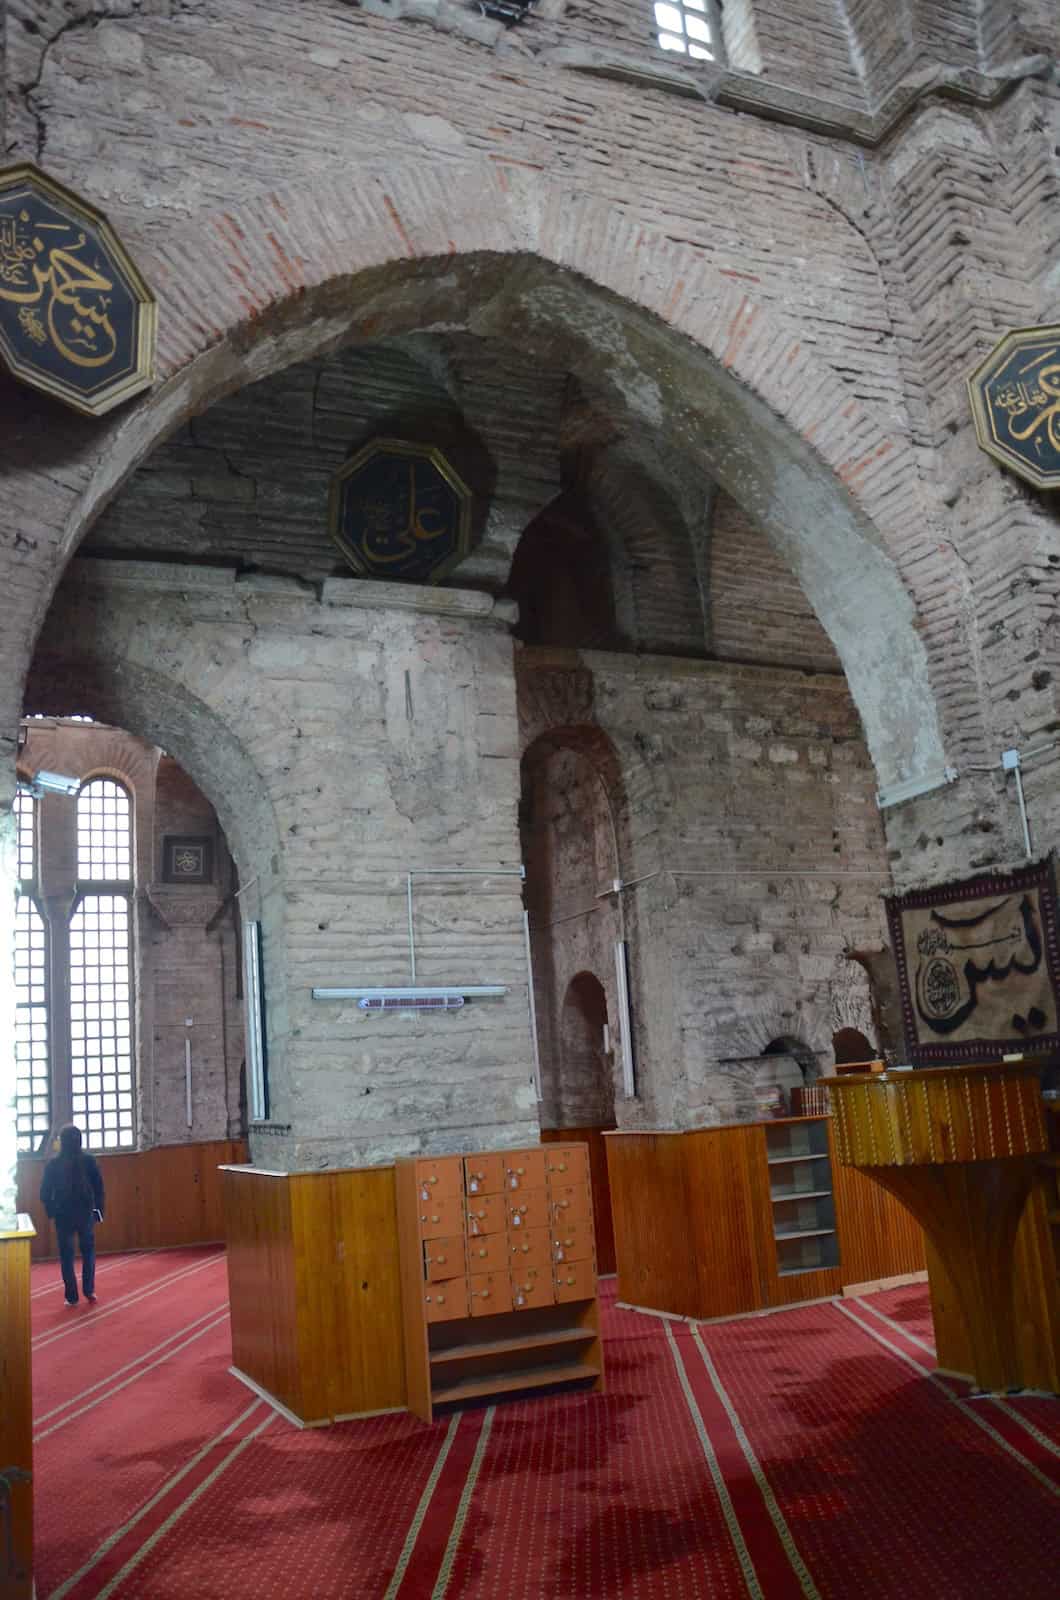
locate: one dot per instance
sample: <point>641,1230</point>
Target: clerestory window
<point>689,27</point>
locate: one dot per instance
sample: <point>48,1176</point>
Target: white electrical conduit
<point>187,1072</point>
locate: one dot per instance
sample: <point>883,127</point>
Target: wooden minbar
<point>963,1148</point>
<point>498,1274</point>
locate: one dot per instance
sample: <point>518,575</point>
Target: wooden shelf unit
<point>498,1274</point>
<point>734,1188</point>
<point>800,1193</point>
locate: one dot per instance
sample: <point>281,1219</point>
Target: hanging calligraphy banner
<point>77,321</point>
<point>399,511</point>
<point>979,966</point>
<point>1015,396</point>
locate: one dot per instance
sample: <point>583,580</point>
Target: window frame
<point>89,889</point>
<point>697,51</point>
<point>27,888</point>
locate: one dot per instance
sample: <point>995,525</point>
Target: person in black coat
<point>71,1193</point>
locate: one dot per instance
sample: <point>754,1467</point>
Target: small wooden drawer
<point>484,1174</point>
<point>440,1177</point>
<point>488,1252</point>
<point>567,1163</point>
<point>485,1214</point>
<point>575,1280</point>
<point>444,1258</point>
<point>528,1248</point>
<point>445,1302</point>
<point>570,1205</point>
<point>524,1169</point>
<point>573,1243</point>
<point>489,1292</point>
<point>440,1217</point>
<point>532,1286</point>
<point>529,1210</point>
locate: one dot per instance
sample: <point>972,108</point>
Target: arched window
<point>689,28</point>
<point>32,1056</point>
<point>101,1006</point>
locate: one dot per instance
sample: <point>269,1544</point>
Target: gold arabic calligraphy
<point>1037,399</point>
<point>382,536</point>
<point>73,296</point>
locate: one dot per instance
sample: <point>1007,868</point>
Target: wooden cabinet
<point>315,1291</point>
<point>16,1412</point>
<point>498,1274</point>
<point>720,1221</point>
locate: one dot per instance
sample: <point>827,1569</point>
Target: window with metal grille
<point>32,1067</point>
<point>101,1008</point>
<point>689,27</point>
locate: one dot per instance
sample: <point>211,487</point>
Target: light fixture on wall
<point>43,783</point>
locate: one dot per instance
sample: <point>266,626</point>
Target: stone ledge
<point>368,594</point>
<point>335,593</point>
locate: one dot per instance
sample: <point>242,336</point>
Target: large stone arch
<point>290,275</point>
<point>78,666</point>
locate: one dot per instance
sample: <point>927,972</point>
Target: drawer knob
<point>441,1299</point>
<point>485,1294</point>
<point>482,1250</point>
<point>562,1167</point>
<point>520,1171</point>
<point>434,1218</point>
<point>432,1179</point>
<point>440,1260</point>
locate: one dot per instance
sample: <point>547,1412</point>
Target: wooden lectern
<point>961,1147</point>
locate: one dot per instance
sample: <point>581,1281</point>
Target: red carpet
<point>810,1453</point>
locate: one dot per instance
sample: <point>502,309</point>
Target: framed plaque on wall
<point>187,858</point>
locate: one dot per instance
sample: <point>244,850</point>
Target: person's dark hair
<point>70,1151</point>
<point>70,1140</point>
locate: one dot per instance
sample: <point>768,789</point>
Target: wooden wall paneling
<point>722,1236</point>
<point>413,1311</point>
<point>344,1226</point>
<point>170,1195</point>
<point>16,1408</point>
<point>601,1187</point>
<point>261,1282</point>
<point>654,1246</point>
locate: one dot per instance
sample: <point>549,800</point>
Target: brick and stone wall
<point>740,800</point>
<point>350,740</point>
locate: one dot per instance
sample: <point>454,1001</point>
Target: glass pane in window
<point>668,17</point>
<point>670,41</point>
<point>32,1092</point>
<point>26,822</point>
<point>104,834</point>
<point>99,1043</point>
